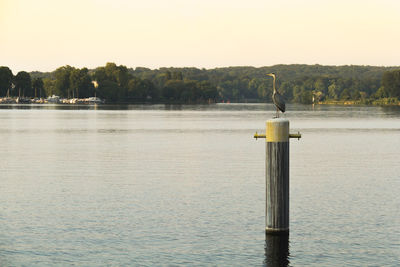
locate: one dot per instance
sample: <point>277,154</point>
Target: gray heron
<point>277,98</point>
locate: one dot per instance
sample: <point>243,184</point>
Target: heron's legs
<point>277,113</point>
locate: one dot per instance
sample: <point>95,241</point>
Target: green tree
<point>333,91</point>
<point>320,85</point>
<point>306,97</point>
<point>111,91</point>
<point>23,84</point>
<point>286,90</point>
<point>113,82</point>
<point>301,95</point>
<point>380,93</point>
<point>50,87</point>
<point>63,84</point>
<point>81,83</point>
<point>118,74</point>
<point>297,91</point>
<point>6,78</point>
<point>345,95</point>
<point>264,91</point>
<point>391,82</point>
<point>38,86</point>
<point>355,94</point>
<point>177,75</point>
<point>100,74</point>
<point>173,89</point>
<point>191,91</point>
<point>208,91</point>
<point>137,89</point>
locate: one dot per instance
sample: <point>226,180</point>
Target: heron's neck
<point>274,85</point>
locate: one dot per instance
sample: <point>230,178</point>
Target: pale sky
<point>46,34</point>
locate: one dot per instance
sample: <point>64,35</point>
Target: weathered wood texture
<point>277,176</point>
<point>277,187</point>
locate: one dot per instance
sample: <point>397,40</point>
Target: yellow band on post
<point>277,130</point>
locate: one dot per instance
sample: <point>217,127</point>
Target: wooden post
<point>277,176</point>
<point>277,250</point>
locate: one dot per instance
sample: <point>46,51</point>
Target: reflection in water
<point>276,250</point>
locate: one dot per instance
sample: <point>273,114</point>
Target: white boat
<point>94,100</point>
<point>53,99</point>
<point>22,100</point>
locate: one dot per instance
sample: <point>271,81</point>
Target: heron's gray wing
<point>279,101</point>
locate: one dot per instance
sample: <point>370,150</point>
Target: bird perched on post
<point>277,98</point>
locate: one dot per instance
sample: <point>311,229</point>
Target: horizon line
<point>210,68</point>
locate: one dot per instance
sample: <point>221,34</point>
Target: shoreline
<point>364,102</point>
<point>95,100</point>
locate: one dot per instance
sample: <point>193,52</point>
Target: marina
<point>51,100</point>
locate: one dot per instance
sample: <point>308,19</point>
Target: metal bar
<point>298,135</point>
<point>256,135</point>
<point>292,135</point>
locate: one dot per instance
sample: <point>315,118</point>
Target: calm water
<point>184,185</point>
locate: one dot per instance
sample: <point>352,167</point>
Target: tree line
<point>118,83</point>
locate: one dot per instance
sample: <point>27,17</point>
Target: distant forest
<point>298,83</point>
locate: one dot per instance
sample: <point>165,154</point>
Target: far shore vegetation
<point>306,84</point>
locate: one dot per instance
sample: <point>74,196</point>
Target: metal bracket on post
<point>292,135</point>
